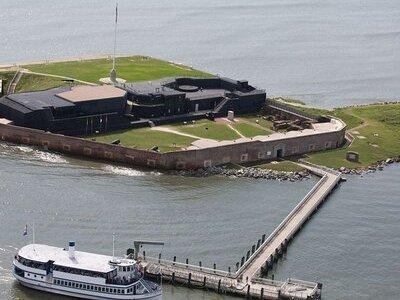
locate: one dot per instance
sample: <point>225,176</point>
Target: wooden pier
<point>246,280</point>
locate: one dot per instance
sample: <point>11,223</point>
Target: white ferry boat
<point>81,274</point>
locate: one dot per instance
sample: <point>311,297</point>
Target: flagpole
<point>115,33</point>
<point>113,250</point>
<point>33,233</point>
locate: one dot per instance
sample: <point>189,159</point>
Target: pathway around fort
<point>247,280</point>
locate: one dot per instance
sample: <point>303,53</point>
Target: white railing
<point>189,267</point>
<point>283,223</point>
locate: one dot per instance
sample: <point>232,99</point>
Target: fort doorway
<point>279,153</point>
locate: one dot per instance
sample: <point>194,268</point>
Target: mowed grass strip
<point>377,138</point>
<point>207,129</point>
<point>133,68</point>
<point>145,138</point>
<point>249,130</point>
<point>33,82</point>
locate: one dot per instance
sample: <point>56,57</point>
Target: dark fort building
<point>84,110</point>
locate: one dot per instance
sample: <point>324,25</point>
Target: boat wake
<point>124,171</point>
<point>30,154</point>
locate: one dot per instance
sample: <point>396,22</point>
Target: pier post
<point>262,294</point>
<point>173,278</point>
<point>174,261</point>
<point>200,265</point>
<point>263,239</point>
<point>204,281</point>
<point>242,261</point>
<point>144,255</point>
<point>159,257</point>
<point>248,255</point>
<point>215,267</point>
<point>219,286</point>
<point>187,262</point>
<point>237,266</point>
<point>229,270</point>
<point>189,278</point>
<point>258,244</point>
<point>253,249</point>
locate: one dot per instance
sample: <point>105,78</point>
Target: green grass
<point>250,130</point>
<point>381,129</point>
<point>6,76</point>
<point>145,138</point>
<point>283,166</point>
<point>207,129</point>
<point>134,68</point>
<point>32,82</point>
<point>257,120</point>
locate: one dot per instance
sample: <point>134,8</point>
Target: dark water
<point>329,53</point>
<point>203,219</point>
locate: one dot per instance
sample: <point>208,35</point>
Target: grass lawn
<point>145,138</point>
<point>351,119</point>
<point>133,68</point>
<point>208,130</point>
<point>377,138</point>
<point>250,130</point>
<point>284,166</point>
<point>6,76</point>
<point>32,82</point>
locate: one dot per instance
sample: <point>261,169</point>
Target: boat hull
<point>49,288</point>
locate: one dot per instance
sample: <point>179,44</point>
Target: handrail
<point>189,266</point>
<point>283,223</point>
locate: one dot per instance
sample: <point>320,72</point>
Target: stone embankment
<point>370,169</point>
<point>250,172</point>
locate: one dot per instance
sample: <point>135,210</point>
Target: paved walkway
<point>170,130</point>
<point>287,229</point>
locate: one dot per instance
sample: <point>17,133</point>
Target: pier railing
<point>180,265</point>
<point>283,224</point>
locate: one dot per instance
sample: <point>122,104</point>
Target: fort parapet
<point>321,136</point>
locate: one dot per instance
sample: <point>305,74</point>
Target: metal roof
<point>82,260</point>
<point>90,93</point>
<point>42,99</point>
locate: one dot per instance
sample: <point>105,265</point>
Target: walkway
<point>247,281</point>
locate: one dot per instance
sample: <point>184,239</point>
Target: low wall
<point>240,152</point>
<point>256,150</point>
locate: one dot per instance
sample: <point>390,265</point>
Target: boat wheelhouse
<point>81,274</point>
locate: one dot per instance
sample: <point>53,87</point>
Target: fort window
<point>207,163</point>
<point>269,153</point>
<point>226,159</point>
<point>179,165</point>
<point>328,145</point>
<point>87,151</point>
<point>151,162</point>
<point>260,155</point>
<point>244,157</point>
<point>45,143</point>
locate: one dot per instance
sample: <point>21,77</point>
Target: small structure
<point>353,156</point>
<point>231,115</point>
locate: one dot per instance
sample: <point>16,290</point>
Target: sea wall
<point>240,152</point>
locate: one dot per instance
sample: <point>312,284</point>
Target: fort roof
<point>91,93</point>
<point>31,101</point>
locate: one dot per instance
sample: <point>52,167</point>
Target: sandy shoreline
<point>65,59</point>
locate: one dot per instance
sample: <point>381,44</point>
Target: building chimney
<point>71,249</point>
